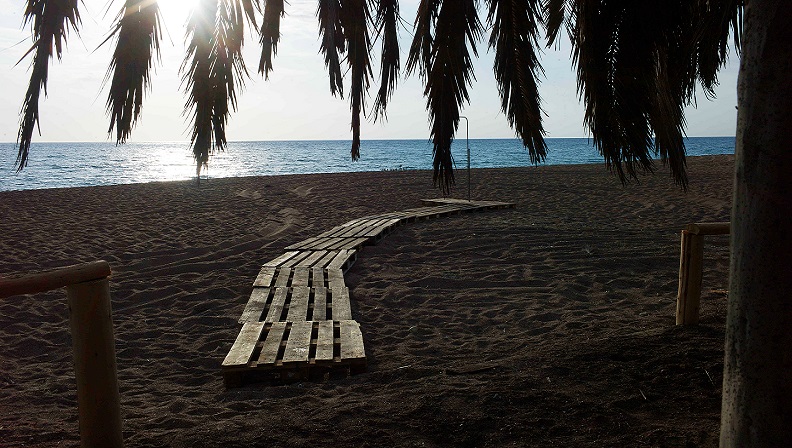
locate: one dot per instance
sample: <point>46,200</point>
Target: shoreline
<point>549,324</point>
<point>461,173</point>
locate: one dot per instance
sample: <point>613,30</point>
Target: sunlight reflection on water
<point>83,164</point>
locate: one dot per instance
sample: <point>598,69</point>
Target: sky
<point>295,103</point>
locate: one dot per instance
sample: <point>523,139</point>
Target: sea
<point>58,165</point>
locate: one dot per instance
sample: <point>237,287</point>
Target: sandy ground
<point>551,324</point>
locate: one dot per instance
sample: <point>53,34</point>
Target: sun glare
<point>174,15</point>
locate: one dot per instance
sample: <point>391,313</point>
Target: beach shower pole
<point>467,130</point>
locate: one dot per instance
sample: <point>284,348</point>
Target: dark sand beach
<point>551,324</point>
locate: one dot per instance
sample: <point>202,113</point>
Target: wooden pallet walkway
<point>298,322</point>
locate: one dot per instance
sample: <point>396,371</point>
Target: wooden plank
<point>351,243</point>
<point>245,344</point>
<point>265,277</point>
<point>332,232</point>
<point>54,279</point>
<point>487,204</point>
<point>320,304</point>
<point>276,307</point>
<point>351,341</point>
<point>327,259</point>
<point>296,259</point>
<point>690,272</point>
<point>304,243</point>
<point>378,231</point>
<point>272,344</point>
<point>341,259</point>
<point>283,277</point>
<point>255,306</point>
<point>335,278</point>
<point>342,308</point>
<point>318,278</point>
<point>709,228</point>
<point>282,259</point>
<point>300,277</point>
<point>327,242</point>
<point>299,343</point>
<point>311,260</point>
<point>324,342</point>
<point>298,307</point>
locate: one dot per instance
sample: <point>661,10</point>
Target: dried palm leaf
<point>355,18</point>
<point>50,21</point>
<point>270,34</point>
<point>332,33</point>
<point>448,70</point>
<point>214,57</point>
<point>514,38</point>
<point>387,28</point>
<point>138,31</point>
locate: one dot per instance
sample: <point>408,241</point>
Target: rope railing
<point>90,320</point>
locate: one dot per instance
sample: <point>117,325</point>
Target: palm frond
<point>515,27</point>
<point>448,72</point>
<point>716,21</point>
<point>50,21</point>
<point>421,48</point>
<point>270,34</point>
<point>216,67</point>
<point>332,33</point>
<point>638,64</point>
<point>616,49</point>
<point>554,17</point>
<point>355,18</point>
<point>387,28</point>
<point>138,31</point>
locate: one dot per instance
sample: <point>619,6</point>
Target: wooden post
<point>98,400</point>
<point>690,269</point>
<point>88,292</point>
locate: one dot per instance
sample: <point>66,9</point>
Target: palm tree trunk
<point>757,382</point>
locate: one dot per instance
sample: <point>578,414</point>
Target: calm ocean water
<point>55,165</point>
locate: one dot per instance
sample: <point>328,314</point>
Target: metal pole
<point>467,127</point>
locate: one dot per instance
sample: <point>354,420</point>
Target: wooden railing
<point>691,257</point>
<point>88,294</point>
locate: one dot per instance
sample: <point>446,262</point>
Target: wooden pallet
<point>351,235</point>
<point>481,205</point>
<point>291,351</point>
<point>329,259</point>
<point>298,320</point>
<point>297,303</point>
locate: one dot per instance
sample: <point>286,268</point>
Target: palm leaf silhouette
<point>211,71</point>
<point>355,19</point>
<point>447,68</point>
<point>138,31</point>
<point>515,27</point>
<point>270,34</point>
<point>332,34</point>
<point>386,26</point>
<point>50,21</point>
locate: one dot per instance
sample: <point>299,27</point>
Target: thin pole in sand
<point>88,293</point>
<point>467,127</point>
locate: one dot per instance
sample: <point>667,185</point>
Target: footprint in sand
<point>248,194</point>
<point>302,191</point>
<point>286,218</point>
